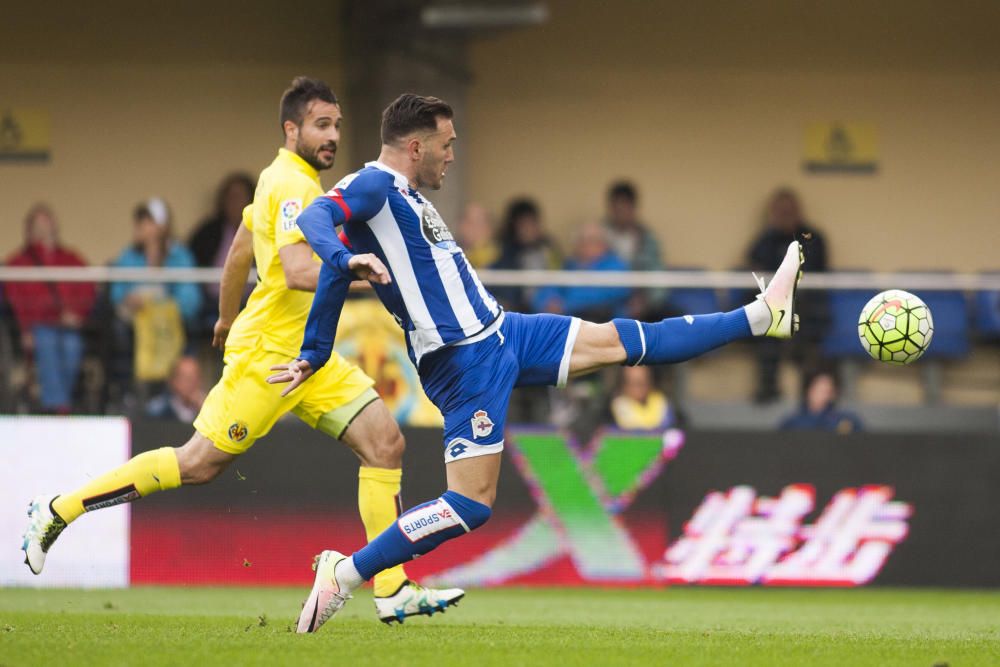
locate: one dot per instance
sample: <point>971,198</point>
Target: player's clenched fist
<point>220,333</point>
<point>369,267</point>
<point>295,372</point>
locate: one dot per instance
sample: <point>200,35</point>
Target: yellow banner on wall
<point>847,147</point>
<point>24,135</point>
<point>369,337</point>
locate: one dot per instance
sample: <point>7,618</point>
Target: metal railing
<point>502,278</point>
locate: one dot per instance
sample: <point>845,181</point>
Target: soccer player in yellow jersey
<point>243,407</point>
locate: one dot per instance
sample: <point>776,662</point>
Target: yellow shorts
<point>243,406</point>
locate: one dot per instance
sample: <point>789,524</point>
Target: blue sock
<point>679,338</point>
<point>419,530</point>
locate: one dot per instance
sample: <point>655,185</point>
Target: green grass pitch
<point>513,626</point>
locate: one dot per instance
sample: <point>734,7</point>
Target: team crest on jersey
<point>289,213</point>
<point>435,231</point>
<point>238,431</point>
<point>482,425</point>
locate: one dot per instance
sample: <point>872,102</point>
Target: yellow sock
<point>378,503</point>
<point>142,475</point>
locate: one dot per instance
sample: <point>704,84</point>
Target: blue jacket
<point>187,295</point>
<point>576,300</point>
<point>831,419</point>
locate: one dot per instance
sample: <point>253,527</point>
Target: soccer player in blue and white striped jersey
<point>469,353</point>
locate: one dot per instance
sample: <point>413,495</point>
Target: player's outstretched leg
<point>196,462</point>
<point>678,339</point>
<point>416,532</point>
<point>375,437</point>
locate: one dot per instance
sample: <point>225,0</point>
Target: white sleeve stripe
<point>642,339</point>
<point>574,330</point>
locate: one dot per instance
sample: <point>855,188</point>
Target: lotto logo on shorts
<point>457,449</point>
<point>482,425</point>
<point>427,520</point>
<point>238,431</point>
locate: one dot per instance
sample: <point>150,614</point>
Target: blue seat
<point>950,310</point>
<point>988,313</point>
<point>841,340</point>
<point>693,300</point>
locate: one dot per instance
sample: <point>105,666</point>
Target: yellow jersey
<point>275,316</point>
<point>631,415</point>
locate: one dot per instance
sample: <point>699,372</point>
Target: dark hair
<point>144,210</point>
<point>237,177</point>
<point>409,113</point>
<point>517,209</point>
<point>815,371</point>
<point>623,190</point>
<point>785,192</point>
<point>295,100</point>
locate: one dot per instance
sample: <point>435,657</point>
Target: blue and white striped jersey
<point>435,294</point>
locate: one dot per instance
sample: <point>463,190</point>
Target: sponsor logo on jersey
<point>288,213</point>
<point>435,231</point>
<point>238,431</point>
<point>482,425</point>
<point>427,520</point>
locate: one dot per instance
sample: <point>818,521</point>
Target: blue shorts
<point>471,384</point>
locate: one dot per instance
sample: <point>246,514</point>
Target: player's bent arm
<point>318,224</point>
<point>301,272</point>
<point>321,329</point>
<point>357,198</point>
<point>233,282</point>
<point>324,316</point>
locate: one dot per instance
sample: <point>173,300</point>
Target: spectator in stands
<point>152,318</point>
<point>524,245</point>
<point>50,315</point>
<point>476,237</point>
<point>784,222</point>
<point>153,246</point>
<point>819,411</point>
<point>184,395</point>
<point>211,239</point>
<point>638,404</point>
<point>592,252</point>
<point>636,245</point>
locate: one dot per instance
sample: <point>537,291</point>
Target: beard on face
<point>310,153</point>
<point>432,176</point>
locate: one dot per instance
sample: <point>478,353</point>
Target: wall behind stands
<point>704,105</point>
<point>163,104</point>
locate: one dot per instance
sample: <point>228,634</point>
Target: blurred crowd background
<point>628,136</point>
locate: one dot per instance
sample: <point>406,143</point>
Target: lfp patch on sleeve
<point>428,519</point>
<point>343,183</point>
<point>288,213</point>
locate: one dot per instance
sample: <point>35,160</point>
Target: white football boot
<point>44,526</point>
<point>779,295</point>
<point>328,595</point>
<point>413,599</point>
